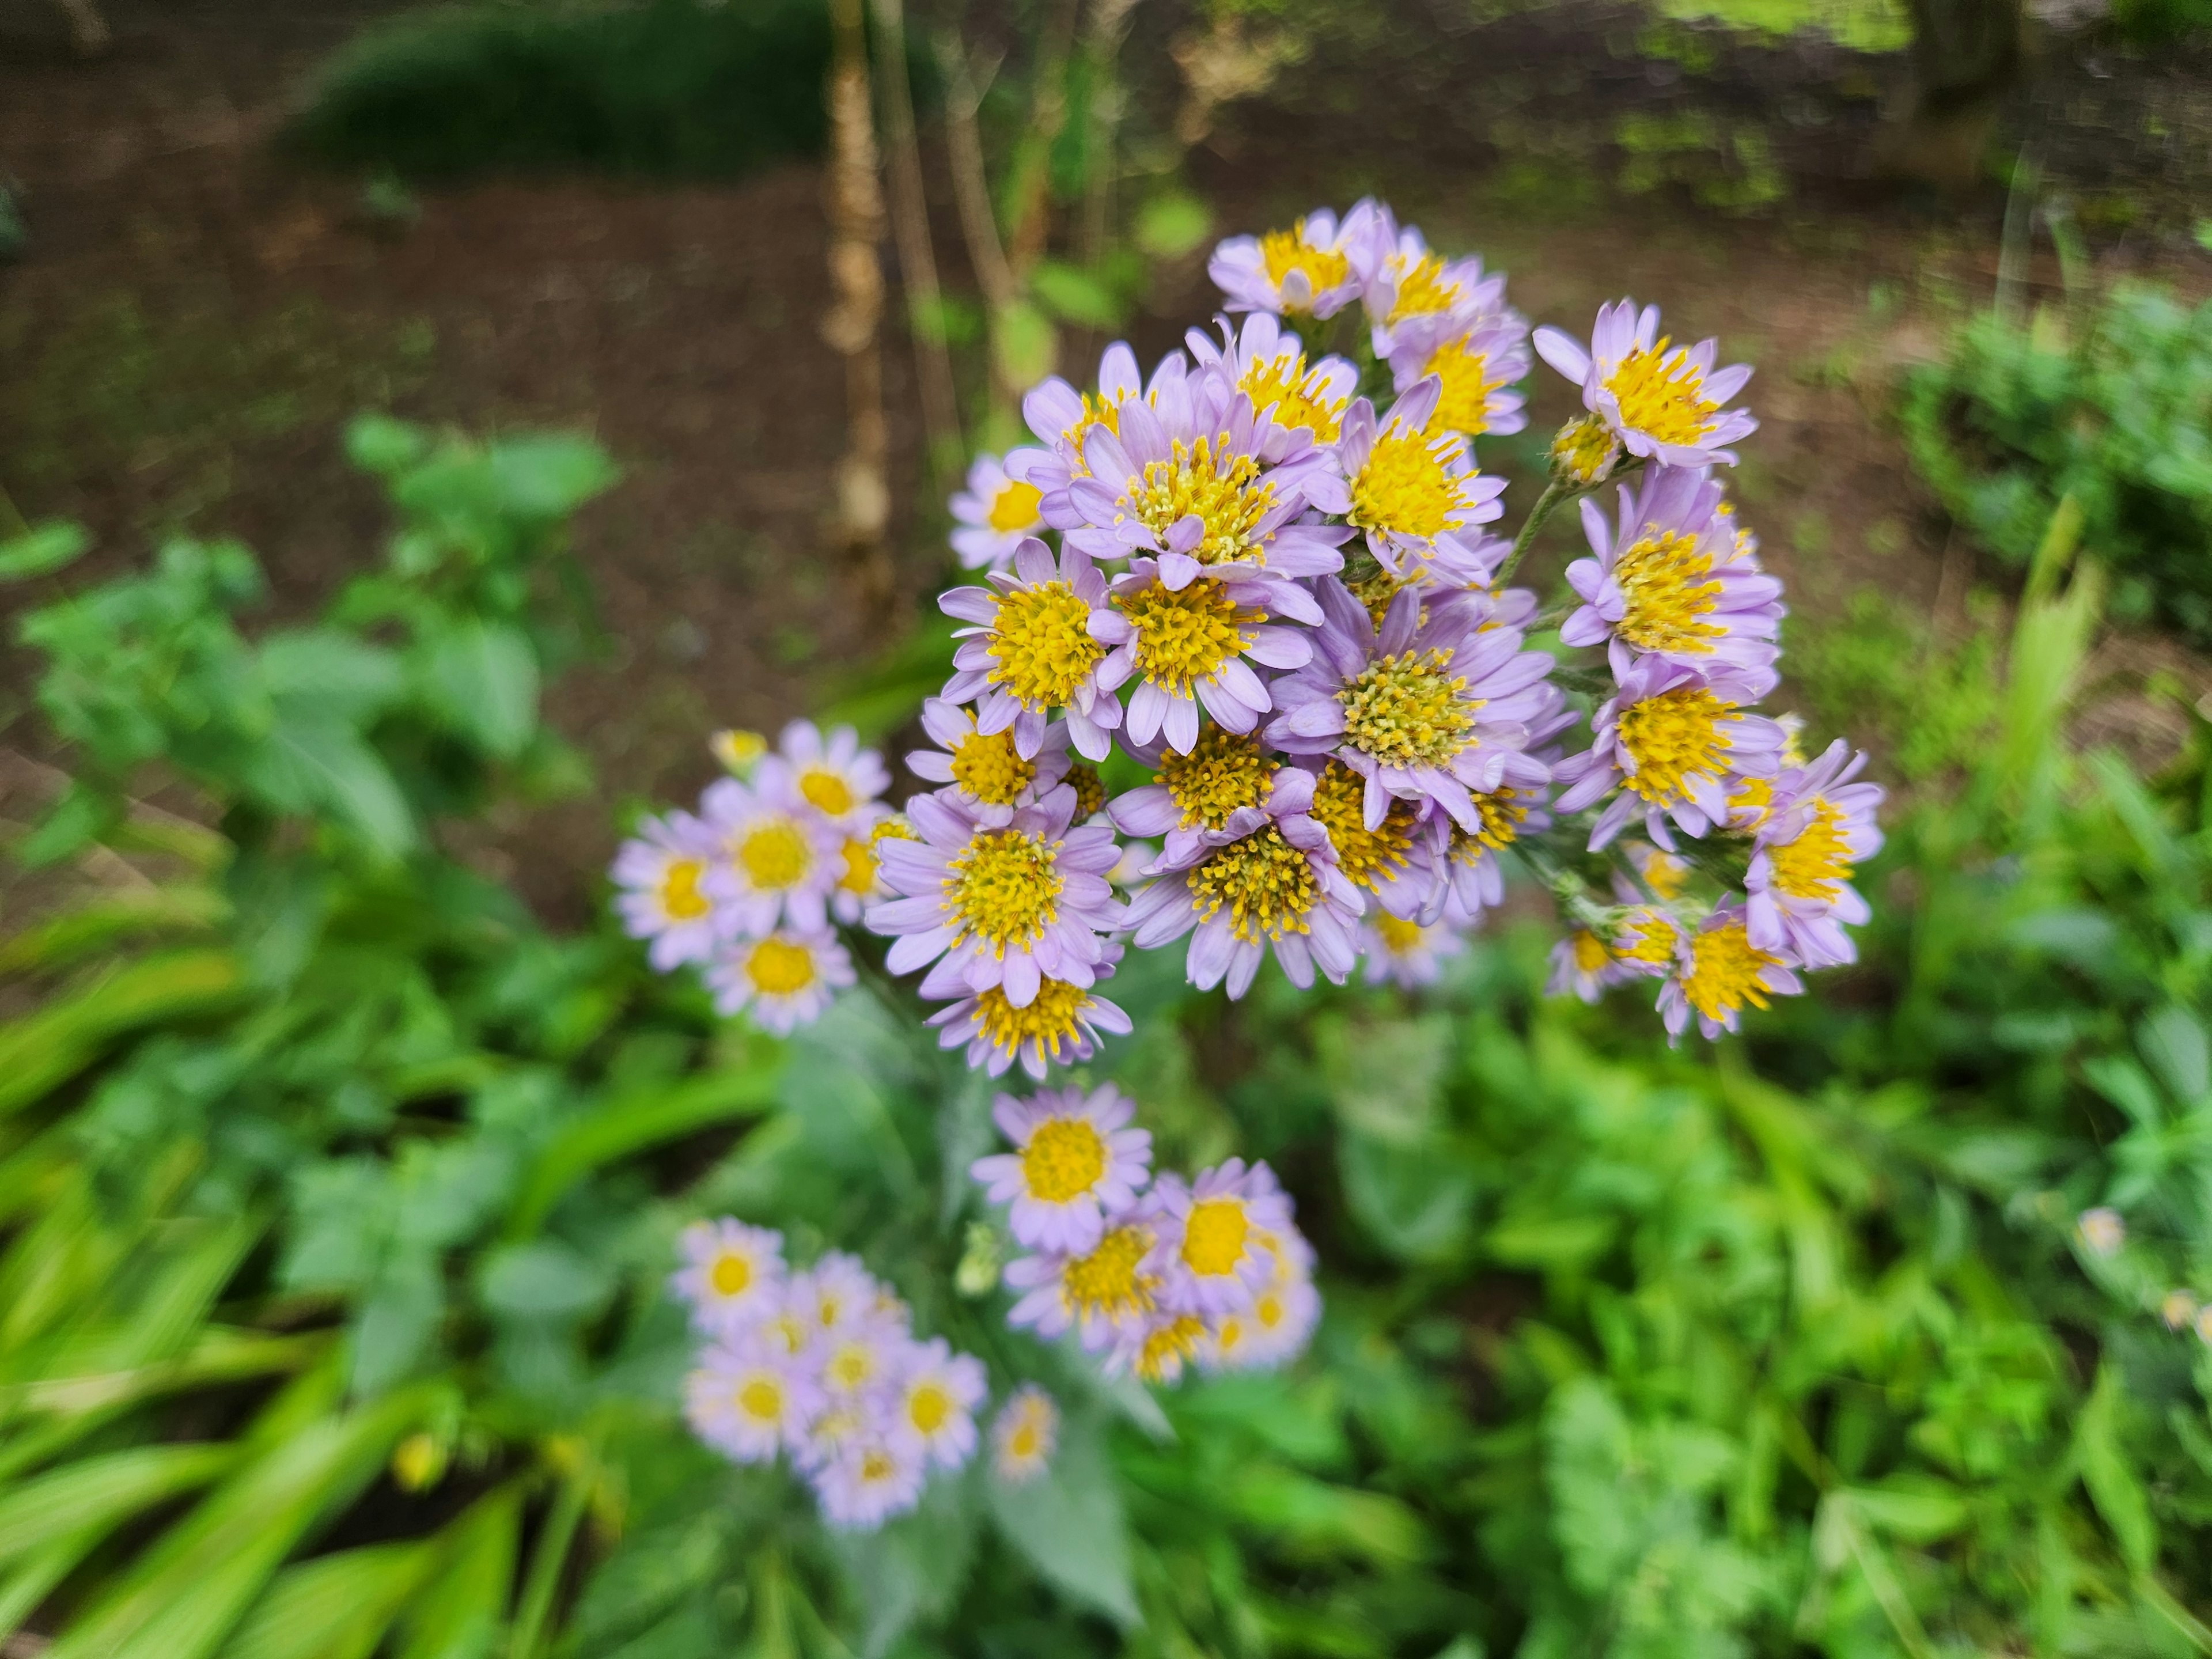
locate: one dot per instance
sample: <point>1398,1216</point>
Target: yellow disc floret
<point>1106,1284</point>
<point>1209,479</point>
<point>1375,591</point>
<point>733,1274</point>
<point>1590,952</point>
<point>1646,935</point>
<point>1724,970</point>
<point>1463,404</point>
<point>1089,790</point>
<point>1283,251</point>
<point>858,875</point>
<point>1043,646</point>
<point>1422,289</point>
<point>1818,861</point>
<point>1661,394</point>
<point>1672,739</point>
<point>1585,451</point>
<point>1266,884</point>
<point>1004,888</point>
<point>1054,1017</point>
<point>680,897</point>
<point>1502,811</point>
<point>761,1399</point>
<point>1408,709</point>
<point>779,968</point>
<point>988,766</point>
<point>1367,857</point>
<point>927,1407</point>
<point>774,854</point>
<point>1223,773</point>
<point>1213,1237</point>
<point>1407,486</point>
<point>1298,399</point>
<point>1668,589</point>
<point>1014,508</point>
<point>1397,936</point>
<point>1184,638</point>
<point>1065,1158</point>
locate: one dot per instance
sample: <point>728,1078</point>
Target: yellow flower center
<point>1661,394</point>
<point>778,968</point>
<point>1422,290</point>
<point>1674,737</point>
<point>1285,251</point>
<point>1167,1348</point>
<point>1213,1237</point>
<point>1812,867</point>
<point>1097,411</point>
<point>680,897</point>
<point>1397,936</point>
<point>1590,954</point>
<point>1463,404</point>
<point>1297,399</point>
<point>1667,875</point>
<point>826,792</point>
<point>1266,881</point>
<point>1004,886</point>
<point>1501,812</point>
<point>1106,1284</point>
<point>738,750</point>
<point>1585,450</point>
<point>1089,790</point>
<point>1666,588</point>
<point>1014,508</point>
<point>1755,800</point>
<point>1064,1159</point>
<point>860,873</point>
<point>1655,937</point>
<point>1366,856</point>
<point>1208,478</point>
<point>852,1366</point>
<point>774,854</point>
<point>790,1330</point>
<point>1222,773</point>
<point>1375,592</point>
<point>928,1407</point>
<point>988,766</point>
<point>1267,1308</point>
<point>1041,642</point>
<point>876,1465</point>
<point>1406,710</point>
<point>1051,1019</point>
<point>1185,637</point>
<point>1724,969</point>
<point>760,1400</point>
<point>733,1274</point>
<point>1022,1444</point>
<point>1406,489</point>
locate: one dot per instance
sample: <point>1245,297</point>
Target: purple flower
<point>1063,419</point>
<point>784,980</point>
<point>780,857</point>
<point>993,515</point>
<point>749,1402</point>
<point>1004,907</point>
<point>1818,825</point>
<point>732,1275</point>
<point>1642,943</point>
<point>1212,1251</point>
<point>1102,1292</point>
<point>1406,953</point>
<point>1670,580</point>
<point>1476,363</point>
<point>1430,712</point>
<point>1719,972</point>
<point>1417,296</point>
<point>1315,269</point>
<point>1667,403</point>
<point>869,1478</point>
<point>938,1391</point>
<point>1278,886</point>
<point>1207,796</point>
<point>988,775</point>
<point>1190,646</point>
<point>1060,1026</point>
<point>1414,490</point>
<point>1268,364</point>
<point>1028,650</point>
<point>665,897</point>
<point>834,775</point>
<point>1669,740</point>
<point>1075,1162</point>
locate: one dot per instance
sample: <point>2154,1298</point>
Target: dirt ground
<point>194,319</point>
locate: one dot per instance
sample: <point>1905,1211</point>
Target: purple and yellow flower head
<point>993,515</point>
<point>1663,402</point>
<point>1315,269</point>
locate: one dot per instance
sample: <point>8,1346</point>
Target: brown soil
<point>195,319</point>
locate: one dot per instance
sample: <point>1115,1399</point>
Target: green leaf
<point>543,1281</point>
<point>329,674</point>
<point>459,1613</point>
<point>1416,1201</point>
<point>39,552</point>
<point>377,443</point>
<point>1068,1525</point>
<point>1075,296</point>
<point>324,762</point>
<point>1022,340</point>
<point>549,475</point>
<point>1172,225</point>
<point>2110,1476</point>
<point>335,1607</point>
<point>95,1494</point>
<point>43,1050</point>
<point>485,679</point>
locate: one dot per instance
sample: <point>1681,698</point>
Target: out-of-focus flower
<point>2101,1231</point>
<point>1670,740</point>
<point>1059,1026</point>
<point>1027,650</point>
<point>1818,825</point>
<point>1315,269</point>
<point>733,1274</point>
<point>834,775</point>
<point>1210,1253</point>
<point>780,857</point>
<point>783,980</point>
<point>1102,1292</point>
<point>663,874</point>
<point>938,1394</point>
<point>739,751</point>
<point>1719,972</point>
<point>2178,1310</point>
<point>1417,296</point>
<point>748,1405</point>
<point>1024,1435</point>
<point>993,515</point>
<point>1075,1161</point>
<point>1665,401</point>
<point>1406,953</point>
<point>1156,1350</point>
<point>868,1480</point>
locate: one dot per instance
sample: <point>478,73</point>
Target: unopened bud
<point>978,1272</point>
<point>1584,452</point>
<point>738,752</point>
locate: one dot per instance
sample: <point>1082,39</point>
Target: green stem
<point>551,1555</point>
<point>1548,503</point>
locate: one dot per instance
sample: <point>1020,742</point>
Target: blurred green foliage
<point>2110,405</point>
<point>339,1195</point>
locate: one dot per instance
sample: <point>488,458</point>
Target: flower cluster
<point>1152,1274</point>
<point>747,887</point>
<point>821,1366</point>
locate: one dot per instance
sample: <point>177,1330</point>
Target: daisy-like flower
<point>993,515</point>
<point>1412,489</point>
<point>738,750</point>
<point>836,1294</point>
<point>1670,740</point>
<point>1075,1161</point>
<point>1315,269</point>
<point>1819,824</point>
<point>859,1361</point>
<point>938,1391</point>
<point>859,883</point>
<point>2176,1310</point>
<point>1214,1246</point>
<point>2101,1231</point>
<point>732,1275</point>
<point>1027,649</point>
<point>780,856</point>
<point>749,1403</point>
<point>1643,943</point>
<point>783,980</point>
<point>1425,711</point>
<point>1667,581</point>
<point>983,769</point>
<point>1664,402</point>
<point>834,775</point>
<point>1024,1435</point>
<point>1212,794</point>
<point>1383,862</point>
<point>1001,908</point>
<point>1468,876</point>
<point>1102,1292</point>
<point>663,873</point>
<point>1476,369</point>
<point>1719,972</point>
<point>1156,1350</point>
<point>1666,876</point>
<point>1278,886</point>
<point>1190,646</point>
<point>1281,1322</point>
<point>1059,1026</point>
<point>868,1480</point>
<point>1406,953</point>
<point>1417,294</point>
<point>1063,419</point>
<point>1268,363</point>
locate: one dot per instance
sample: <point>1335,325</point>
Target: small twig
<point>852,326</point>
